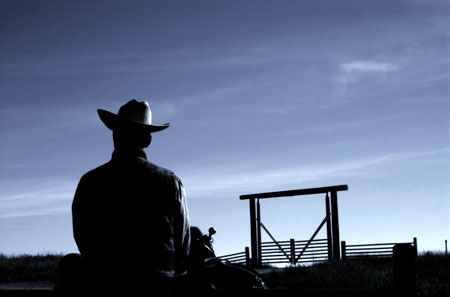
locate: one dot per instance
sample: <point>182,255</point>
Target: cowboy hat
<point>134,115</point>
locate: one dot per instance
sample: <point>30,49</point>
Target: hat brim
<point>114,122</point>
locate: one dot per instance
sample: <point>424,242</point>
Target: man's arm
<point>80,217</point>
<point>181,228</point>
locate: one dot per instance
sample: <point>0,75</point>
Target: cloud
<point>236,181</point>
<point>352,72</point>
<point>29,197</point>
<point>368,66</point>
<point>227,183</point>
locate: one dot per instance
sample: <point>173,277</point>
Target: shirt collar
<point>123,154</point>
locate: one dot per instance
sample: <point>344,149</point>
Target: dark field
<point>28,268</point>
<point>432,270</point>
<point>432,275</point>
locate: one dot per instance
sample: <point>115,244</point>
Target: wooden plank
<point>335,226</point>
<point>298,192</point>
<point>323,241</point>
<point>329,231</point>
<point>374,244</point>
<point>253,234</point>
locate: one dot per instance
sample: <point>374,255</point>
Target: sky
<point>262,96</point>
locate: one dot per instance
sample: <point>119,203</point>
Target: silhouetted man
<point>130,218</point>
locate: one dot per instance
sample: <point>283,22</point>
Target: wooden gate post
<point>258,230</point>
<point>415,245</point>
<point>329,234</point>
<point>335,226</point>
<point>253,233</point>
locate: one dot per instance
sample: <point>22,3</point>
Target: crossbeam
<point>298,192</point>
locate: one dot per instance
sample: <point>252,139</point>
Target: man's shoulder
<point>98,171</point>
<point>152,169</point>
<point>161,171</point>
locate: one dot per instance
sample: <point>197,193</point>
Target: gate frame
<point>332,219</point>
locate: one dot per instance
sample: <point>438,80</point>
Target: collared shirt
<point>132,213</point>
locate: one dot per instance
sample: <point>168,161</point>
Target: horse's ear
<point>212,231</point>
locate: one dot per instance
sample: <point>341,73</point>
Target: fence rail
<point>238,258</point>
<point>379,250</point>
<point>285,252</point>
<point>294,252</point>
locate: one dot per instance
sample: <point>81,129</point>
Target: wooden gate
<point>331,220</point>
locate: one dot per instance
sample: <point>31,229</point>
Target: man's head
<point>132,125</point>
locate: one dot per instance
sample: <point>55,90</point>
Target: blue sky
<point>262,96</point>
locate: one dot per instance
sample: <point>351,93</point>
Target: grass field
<point>432,275</point>
<point>28,268</point>
<point>432,270</point>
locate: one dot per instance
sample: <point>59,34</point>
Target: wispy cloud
<point>368,66</point>
<point>352,72</point>
<point>240,181</point>
<point>228,183</point>
<point>31,197</point>
<point>49,196</point>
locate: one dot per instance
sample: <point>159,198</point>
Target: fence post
<point>404,271</point>
<point>247,256</point>
<point>415,244</point>
<point>329,233</point>
<point>344,249</point>
<point>335,226</point>
<point>258,226</point>
<point>293,251</point>
<point>253,233</point>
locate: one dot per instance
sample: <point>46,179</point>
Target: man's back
<point>130,214</point>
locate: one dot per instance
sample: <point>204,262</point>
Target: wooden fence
<point>285,252</point>
<point>379,250</point>
<point>294,252</point>
<point>311,251</point>
<point>238,258</point>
